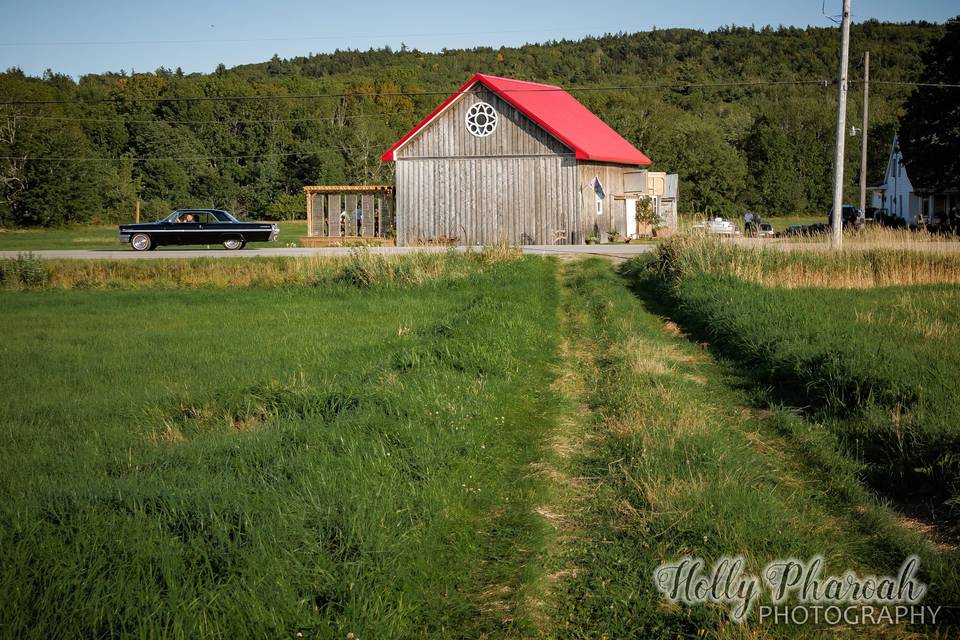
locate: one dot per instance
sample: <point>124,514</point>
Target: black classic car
<point>197,226</point>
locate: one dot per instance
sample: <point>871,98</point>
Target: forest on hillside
<point>83,150</point>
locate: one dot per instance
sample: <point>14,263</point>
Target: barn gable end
<point>528,180</point>
<point>447,136</point>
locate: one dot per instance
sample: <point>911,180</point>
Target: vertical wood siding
<point>334,207</point>
<point>366,203</point>
<point>486,200</point>
<point>315,210</point>
<point>350,226</point>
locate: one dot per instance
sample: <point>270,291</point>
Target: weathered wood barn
<point>518,162</point>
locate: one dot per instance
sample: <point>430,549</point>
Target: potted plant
<point>594,236</point>
<point>648,220</point>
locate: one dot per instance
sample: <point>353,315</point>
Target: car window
<point>223,216</point>
<point>196,217</point>
<point>186,217</point>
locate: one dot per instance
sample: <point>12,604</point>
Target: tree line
<point>114,137</point>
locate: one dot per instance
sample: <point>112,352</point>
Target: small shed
<point>508,161</point>
<point>357,211</point>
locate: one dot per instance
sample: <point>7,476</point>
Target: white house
<point>898,196</point>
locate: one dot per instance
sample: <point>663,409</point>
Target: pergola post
<point>309,214</point>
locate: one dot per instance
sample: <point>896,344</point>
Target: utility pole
<point>837,238</point>
<point>138,209</point>
<point>863,142</point>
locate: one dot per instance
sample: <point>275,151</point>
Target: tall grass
<point>26,271</point>
<point>274,462</point>
<point>851,269</point>
<point>879,236</point>
<point>361,268</point>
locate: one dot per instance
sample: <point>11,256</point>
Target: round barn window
<point>481,119</point>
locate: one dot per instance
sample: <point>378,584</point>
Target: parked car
<point>766,230</point>
<point>718,226</point>
<point>197,226</point>
<point>851,216</point>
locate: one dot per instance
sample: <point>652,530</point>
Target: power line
<point>701,85</point>
<point>924,85</point>
<point>363,116</point>
<point>414,94</point>
<point>254,98</point>
<point>217,122</point>
<point>177,158</point>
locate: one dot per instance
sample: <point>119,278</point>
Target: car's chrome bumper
<point>274,233</point>
<point>125,237</point>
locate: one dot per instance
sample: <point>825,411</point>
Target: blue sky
<point>94,36</point>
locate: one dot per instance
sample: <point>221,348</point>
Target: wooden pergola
<point>364,211</point>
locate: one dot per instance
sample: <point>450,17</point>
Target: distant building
<point>521,163</point>
<point>916,205</point>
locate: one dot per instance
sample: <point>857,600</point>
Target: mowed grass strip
<point>676,462</point>
<point>267,462</point>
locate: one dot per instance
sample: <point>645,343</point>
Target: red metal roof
<point>589,137</point>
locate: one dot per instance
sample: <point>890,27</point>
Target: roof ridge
<point>535,84</point>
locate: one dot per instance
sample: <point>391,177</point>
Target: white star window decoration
<point>482,119</point>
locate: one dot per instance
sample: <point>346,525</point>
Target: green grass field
<point>263,462</point>
<point>880,365</point>
<point>105,237</point>
<point>479,446</point>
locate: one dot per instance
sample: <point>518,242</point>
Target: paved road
<point>609,250</point>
